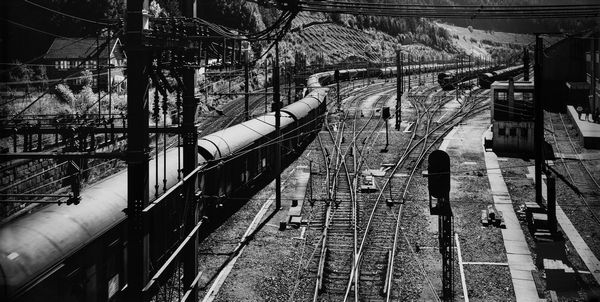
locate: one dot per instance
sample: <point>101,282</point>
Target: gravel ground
<point>470,193</point>
<point>276,265</point>
<point>521,189</point>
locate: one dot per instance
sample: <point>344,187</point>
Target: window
<point>64,64</point>
<point>501,131</point>
<point>524,132</point>
<point>518,96</point>
<point>501,95</point>
<point>513,131</point>
<point>56,64</point>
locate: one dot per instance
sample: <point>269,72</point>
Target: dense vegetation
<point>19,43</point>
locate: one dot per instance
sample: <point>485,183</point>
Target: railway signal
<point>399,87</point>
<point>385,115</point>
<point>438,174</point>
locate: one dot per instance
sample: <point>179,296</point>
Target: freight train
<point>78,252</point>
<point>449,80</point>
<point>486,79</point>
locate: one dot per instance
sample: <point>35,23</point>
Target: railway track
<point>338,241</point>
<point>371,274</point>
<point>576,170</point>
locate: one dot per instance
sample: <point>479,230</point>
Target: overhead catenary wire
<point>34,29</point>
<point>455,11</point>
<point>65,14</point>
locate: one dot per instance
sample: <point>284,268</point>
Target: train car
<point>78,253</point>
<point>512,118</point>
<point>485,79</point>
<point>449,80</point>
<point>75,253</point>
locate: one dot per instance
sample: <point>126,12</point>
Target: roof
<point>226,142</point>
<point>76,48</point>
<point>34,243</point>
<point>519,85</point>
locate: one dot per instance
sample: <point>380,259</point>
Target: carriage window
<point>501,131</point>
<point>513,131</point>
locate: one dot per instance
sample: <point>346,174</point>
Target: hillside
<point>317,36</point>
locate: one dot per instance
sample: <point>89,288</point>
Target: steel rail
<point>583,199</point>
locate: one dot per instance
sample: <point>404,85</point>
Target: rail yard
<point>296,151</point>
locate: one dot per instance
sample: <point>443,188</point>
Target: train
<point>485,79</point>
<point>512,118</point>
<point>391,72</point>
<point>449,80</point>
<point>78,252</point>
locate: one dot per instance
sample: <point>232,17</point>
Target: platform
<point>589,132</point>
<point>519,257</point>
<point>583,250</point>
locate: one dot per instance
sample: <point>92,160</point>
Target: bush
<point>64,94</point>
<point>85,99</point>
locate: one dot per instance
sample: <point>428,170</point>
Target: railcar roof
<point>34,243</point>
<point>235,138</point>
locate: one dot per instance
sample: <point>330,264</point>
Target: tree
<point>41,75</point>
<point>21,73</point>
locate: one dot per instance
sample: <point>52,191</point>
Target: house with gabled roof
<point>104,58</point>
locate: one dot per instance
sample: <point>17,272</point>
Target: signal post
<point>438,174</point>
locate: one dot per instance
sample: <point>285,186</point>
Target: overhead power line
<point>454,11</point>
<point>65,14</point>
<point>34,29</point>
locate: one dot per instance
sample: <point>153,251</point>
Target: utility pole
<point>538,135</point>
<point>337,83</point>
<point>525,64</point>
<point>455,80</point>
<point>266,79</point>
<point>277,109</point>
<point>246,96</point>
<point>109,87</point>
<point>470,70</point>
<point>98,72</point>
<point>398,89</point>
<point>289,82</point>
<point>137,151</point>
<point>408,72</point>
<point>593,103</point>
<point>190,162</point>
<point>420,61</point>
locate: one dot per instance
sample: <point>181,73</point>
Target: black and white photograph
<point>299,150</point>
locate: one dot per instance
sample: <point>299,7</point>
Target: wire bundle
<point>454,11</point>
